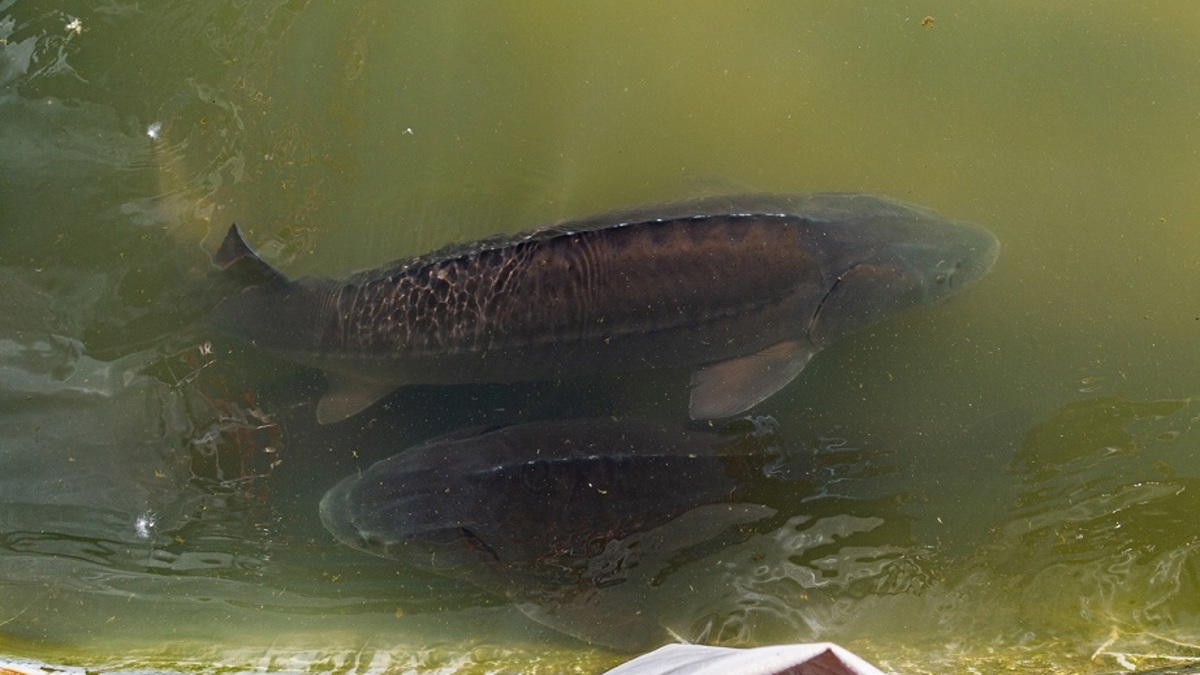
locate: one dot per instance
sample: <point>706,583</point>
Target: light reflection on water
<point>1014,469</point>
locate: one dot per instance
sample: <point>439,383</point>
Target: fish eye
<point>535,477</point>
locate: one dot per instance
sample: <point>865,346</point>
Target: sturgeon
<point>742,289</point>
<point>576,521</point>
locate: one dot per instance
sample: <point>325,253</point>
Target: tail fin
<point>239,260</point>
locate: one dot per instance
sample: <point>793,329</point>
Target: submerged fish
<point>574,519</point>
<point>741,289</point>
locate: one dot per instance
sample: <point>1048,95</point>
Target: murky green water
<point>1033,446</point>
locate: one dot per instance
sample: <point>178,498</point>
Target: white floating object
<point>819,658</point>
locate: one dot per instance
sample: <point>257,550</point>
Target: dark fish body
<point>568,518</point>
<point>743,289</point>
<point>520,496</point>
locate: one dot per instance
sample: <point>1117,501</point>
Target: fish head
<point>884,257</point>
<point>394,512</point>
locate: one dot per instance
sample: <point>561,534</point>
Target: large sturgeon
<point>577,521</point>
<point>741,289</point>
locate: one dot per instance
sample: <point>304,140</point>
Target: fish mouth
<point>993,252</point>
<point>977,258</point>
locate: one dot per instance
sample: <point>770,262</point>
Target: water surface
<point>1016,468</point>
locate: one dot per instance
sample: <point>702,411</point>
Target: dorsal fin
<point>236,258</point>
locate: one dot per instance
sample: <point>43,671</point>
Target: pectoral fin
<point>347,397</point>
<point>726,388</point>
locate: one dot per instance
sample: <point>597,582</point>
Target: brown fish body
<point>732,286</point>
<point>574,303</point>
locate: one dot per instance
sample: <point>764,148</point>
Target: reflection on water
<point>1006,482</point>
<point>1116,513</point>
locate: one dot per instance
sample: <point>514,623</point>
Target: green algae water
<point>1010,475</point>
